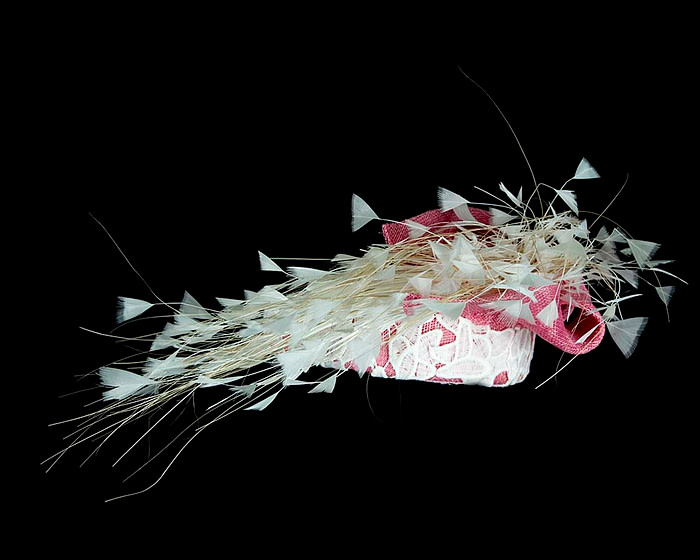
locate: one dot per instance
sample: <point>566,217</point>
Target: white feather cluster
<point>272,338</point>
<point>341,314</point>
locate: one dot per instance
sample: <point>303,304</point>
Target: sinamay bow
<point>455,295</point>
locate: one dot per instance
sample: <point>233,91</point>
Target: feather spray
<point>458,294</point>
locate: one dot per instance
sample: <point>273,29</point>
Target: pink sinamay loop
<point>480,347</point>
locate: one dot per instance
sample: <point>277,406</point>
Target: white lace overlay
<point>458,351</point>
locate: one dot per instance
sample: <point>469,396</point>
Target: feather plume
<point>585,171</point>
<point>642,251</point>
<point>123,383</point>
<point>296,362</point>
<point>625,333</point>
<point>449,200</point>
<point>264,403</point>
<point>569,198</point>
<point>275,338</point>
<point>665,293</point>
<point>362,214</point>
<point>499,218</point>
<point>549,313</point>
<point>128,308</point>
<point>192,308</point>
<point>325,386</point>
<point>306,274</point>
<point>583,338</point>
<point>415,230</point>
<point>172,365</point>
<point>514,309</point>
<point>267,264</point>
<point>227,302</point>
<point>452,201</point>
<point>518,201</point>
<point>422,285</point>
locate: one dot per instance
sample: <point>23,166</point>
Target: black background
<point>196,145</point>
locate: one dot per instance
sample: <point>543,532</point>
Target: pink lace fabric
<point>483,347</point>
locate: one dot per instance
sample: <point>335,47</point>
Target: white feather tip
<point>362,214</point>
<point>128,308</point>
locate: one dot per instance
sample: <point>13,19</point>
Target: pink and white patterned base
<point>457,351</point>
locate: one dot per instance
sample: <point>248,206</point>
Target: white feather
<point>498,217</point>
<point>363,352</point>
<point>587,334</point>
<point>206,381</point>
<point>361,213</point>
<point>549,313</point>
<point>388,273</point>
<point>377,255</point>
<point>192,308</point>
<point>451,310</point>
<point>162,341</point>
<point>295,362</point>
<point>665,293</point>
<point>325,386</point>
<point>182,324</point>
<point>518,201</point>
<point>569,198</point>
<point>280,326</point>
<point>441,252</point>
<point>449,200</point>
<point>172,365</point>
<point>630,276</point>
<point>471,269</point>
<point>625,333</point>
<point>446,286</point>
<point>415,230</point>
<point>642,251</point>
<point>464,214</point>
<point>264,403</point>
<point>422,285</point>
<point>124,383</point>
<point>320,308</point>
<point>610,312</point>
<point>267,264</point>
<point>585,171</point>
<point>245,390</point>
<point>318,347</point>
<point>581,230</point>
<point>226,302</point>
<point>267,294</point>
<point>602,235</point>
<point>516,309</point>
<point>306,274</point>
<point>452,201</point>
<point>128,308</point>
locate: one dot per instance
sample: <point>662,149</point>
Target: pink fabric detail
<point>396,232</point>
